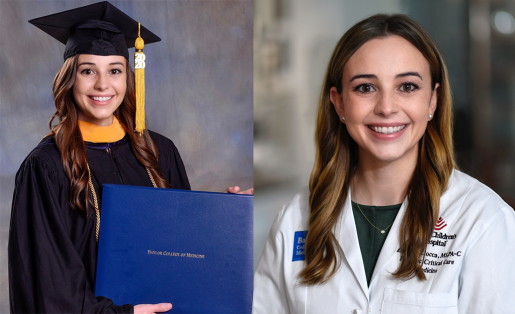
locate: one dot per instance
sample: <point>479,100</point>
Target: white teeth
<point>388,130</point>
<point>101,98</point>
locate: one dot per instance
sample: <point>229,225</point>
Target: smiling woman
<point>395,93</point>
<point>99,88</point>
<point>94,139</point>
<point>389,225</point>
<point>55,217</point>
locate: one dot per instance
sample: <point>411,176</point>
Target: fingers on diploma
<point>249,191</point>
<point>232,189</point>
<point>152,308</point>
<point>236,190</point>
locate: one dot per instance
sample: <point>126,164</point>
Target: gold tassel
<point>139,69</point>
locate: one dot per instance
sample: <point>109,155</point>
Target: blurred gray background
<point>198,89</point>
<point>293,40</point>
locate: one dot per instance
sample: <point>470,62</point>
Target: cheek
<point>81,86</point>
<point>121,86</point>
<point>356,109</point>
<point>78,91</point>
<point>418,109</point>
<point>419,118</point>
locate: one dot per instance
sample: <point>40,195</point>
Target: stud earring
<point>430,116</point>
<point>343,119</point>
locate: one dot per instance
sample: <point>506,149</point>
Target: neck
<point>382,183</point>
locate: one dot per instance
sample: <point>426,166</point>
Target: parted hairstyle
<point>337,157</point>
<point>69,139</point>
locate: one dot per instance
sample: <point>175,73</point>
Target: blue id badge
<point>299,245</point>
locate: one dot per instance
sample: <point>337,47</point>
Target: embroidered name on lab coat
<point>299,244</point>
<point>437,255</point>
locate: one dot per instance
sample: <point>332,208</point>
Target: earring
<point>430,116</point>
<point>343,119</point>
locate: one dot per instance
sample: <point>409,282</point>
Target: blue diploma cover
<point>192,249</point>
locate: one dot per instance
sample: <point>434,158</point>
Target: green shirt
<point>370,239</point>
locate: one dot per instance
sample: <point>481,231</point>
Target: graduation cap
<point>102,29</point>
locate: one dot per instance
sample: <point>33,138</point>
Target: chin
<point>102,115</point>
<point>388,158</point>
<point>392,154</point>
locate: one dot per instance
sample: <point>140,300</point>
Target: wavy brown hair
<point>69,139</point>
<point>337,157</point>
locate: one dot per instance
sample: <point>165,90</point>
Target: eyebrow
<point>355,77</point>
<point>373,76</point>
<point>409,74</point>
<point>91,63</point>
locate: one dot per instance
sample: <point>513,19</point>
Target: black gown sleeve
<point>178,178</point>
<point>170,162</point>
<point>46,274</point>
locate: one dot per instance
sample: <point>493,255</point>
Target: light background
<point>293,40</point>
<point>198,89</point>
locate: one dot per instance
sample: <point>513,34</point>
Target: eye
<point>408,87</point>
<point>365,89</point>
<point>87,72</point>
<point>115,71</point>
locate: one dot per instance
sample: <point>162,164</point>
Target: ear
<point>434,99</point>
<point>337,101</point>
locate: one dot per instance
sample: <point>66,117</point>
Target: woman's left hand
<point>236,190</point>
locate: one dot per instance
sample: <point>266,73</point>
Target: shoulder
<point>294,216</point>
<point>161,140</point>
<point>44,159</point>
<point>470,205</point>
<point>163,143</point>
<point>463,184</point>
<point>45,154</point>
<point>469,194</point>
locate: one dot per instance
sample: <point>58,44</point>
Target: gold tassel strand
<point>139,69</point>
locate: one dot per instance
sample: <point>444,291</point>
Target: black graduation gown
<point>52,248</point>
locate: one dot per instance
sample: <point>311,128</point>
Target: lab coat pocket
<point>400,301</point>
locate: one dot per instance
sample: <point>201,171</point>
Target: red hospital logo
<point>440,224</point>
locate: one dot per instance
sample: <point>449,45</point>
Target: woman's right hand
<point>152,308</point>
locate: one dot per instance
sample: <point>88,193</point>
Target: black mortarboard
<point>98,29</point>
<point>101,29</point>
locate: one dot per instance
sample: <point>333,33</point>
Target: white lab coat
<point>469,262</point>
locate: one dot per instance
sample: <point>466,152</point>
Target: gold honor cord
<point>95,199</point>
<point>382,231</point>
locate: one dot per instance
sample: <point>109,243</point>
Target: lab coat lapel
<point>348,239</point>
<point>391,245</point>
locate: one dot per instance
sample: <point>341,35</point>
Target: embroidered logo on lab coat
<point>299,244</point>
<point>440,224</point>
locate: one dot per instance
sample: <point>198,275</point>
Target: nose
<point>102,82</point>
<point>386,104</point>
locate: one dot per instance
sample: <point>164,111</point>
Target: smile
<point>387,130</point>
<point>96,98</point>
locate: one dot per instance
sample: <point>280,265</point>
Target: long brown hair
<point>69,139</point>
<point>337,157</point>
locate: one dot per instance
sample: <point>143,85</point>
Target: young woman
<point>55,218</point>
<point>388,224</point>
